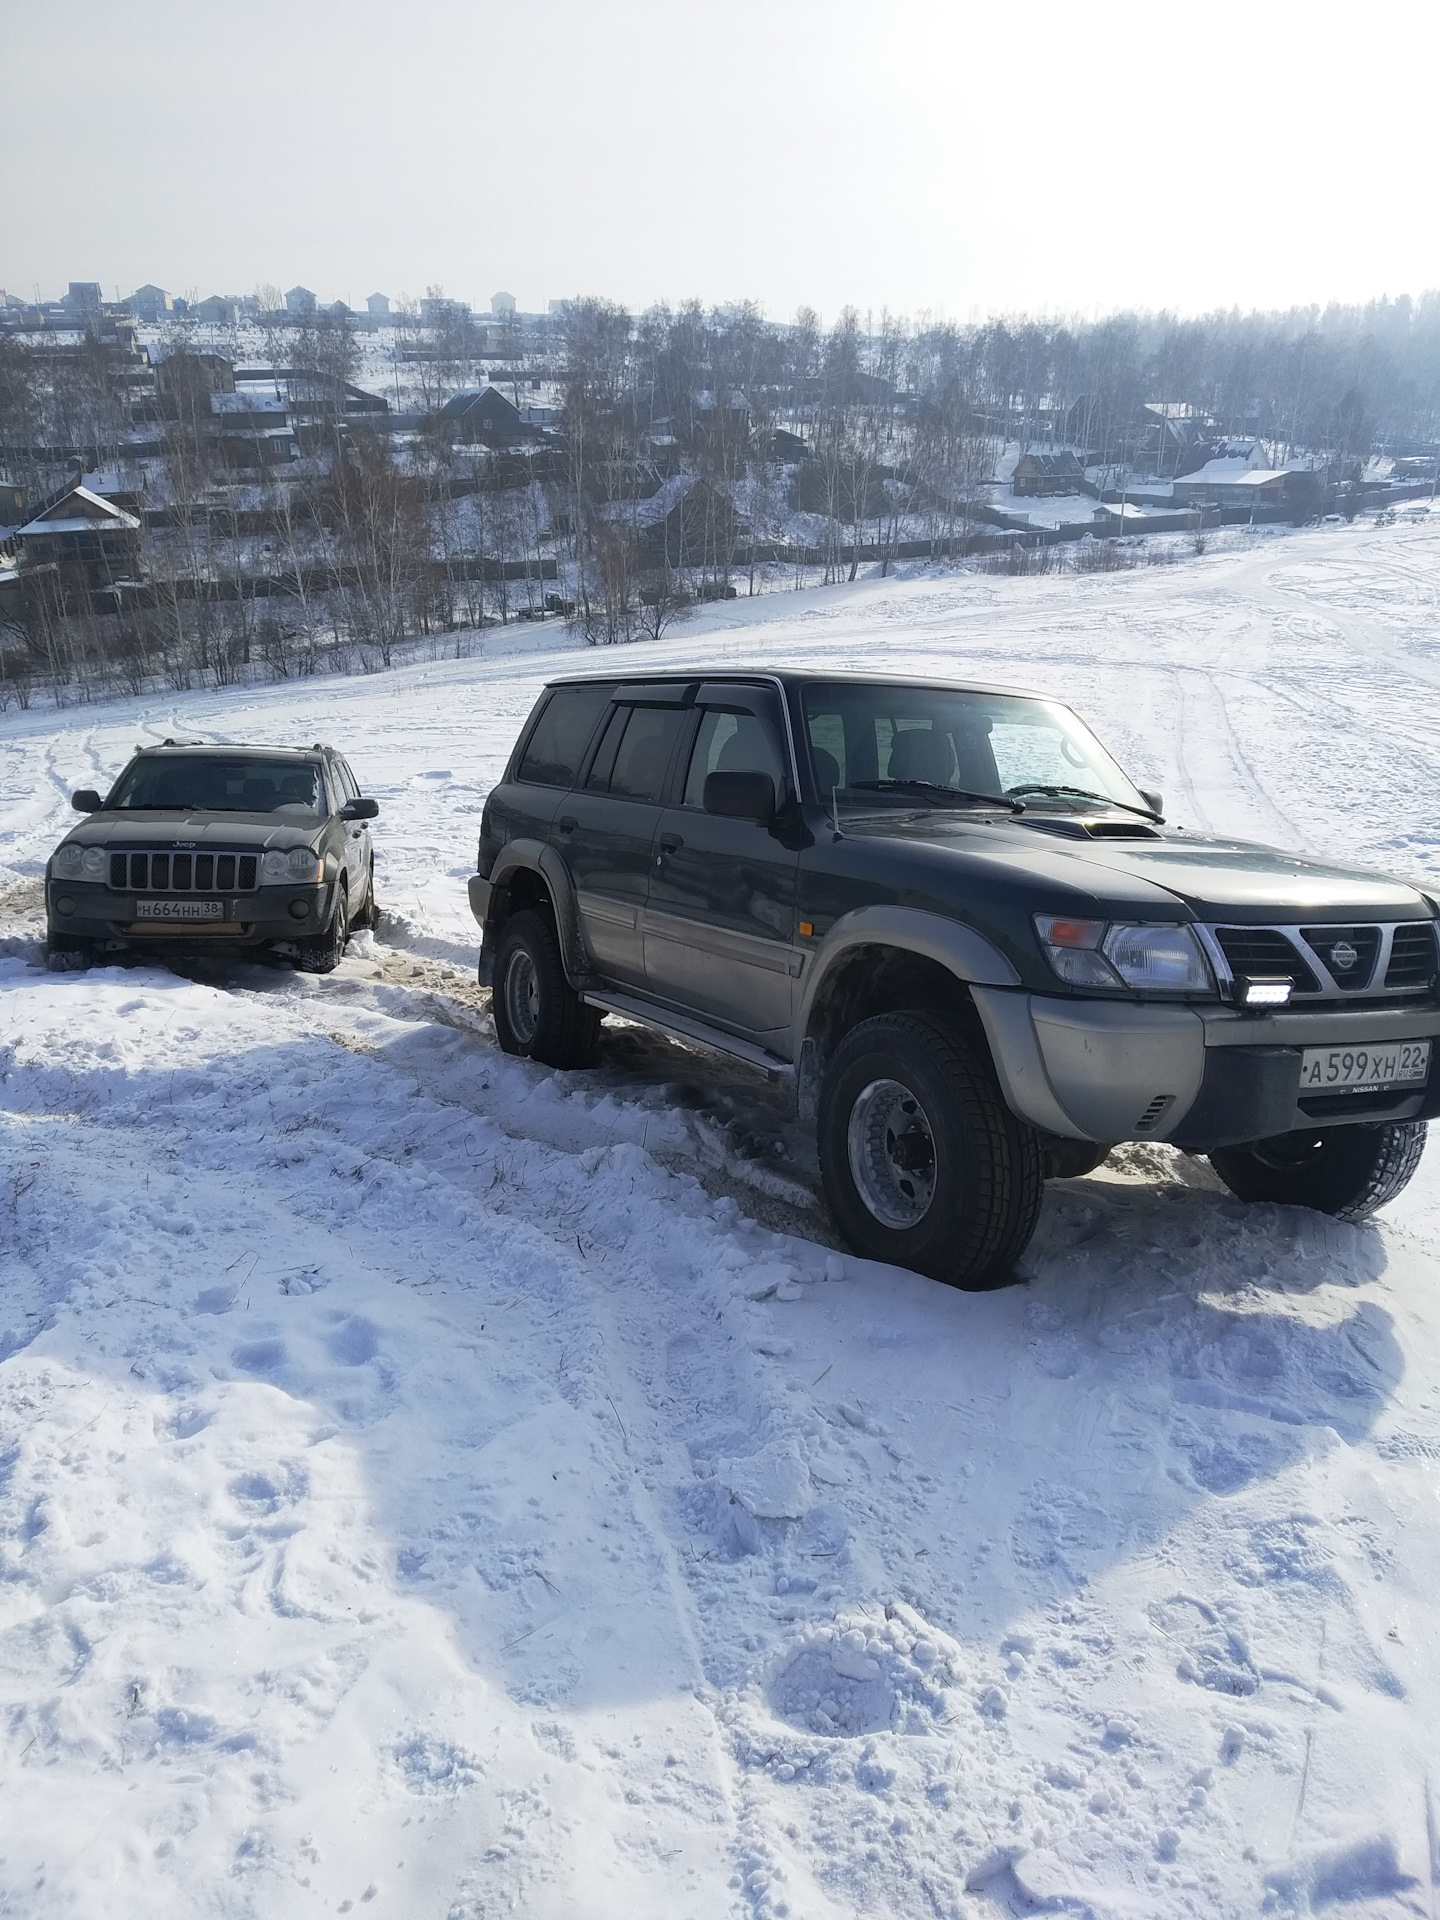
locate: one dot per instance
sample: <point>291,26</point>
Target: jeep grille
<point>184,872</point>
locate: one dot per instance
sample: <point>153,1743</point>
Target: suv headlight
<point>70,861</point>
<point>95,862</point>
<point>1097,953</point>
<point>301,866</point>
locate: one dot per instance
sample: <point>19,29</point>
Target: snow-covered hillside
<point>435,1487</point>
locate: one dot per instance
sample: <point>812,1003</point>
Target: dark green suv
<point>206,847</point>
<point>971,941</point>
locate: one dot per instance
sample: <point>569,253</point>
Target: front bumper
<point>1199,1077</point>
<point>86,912</point>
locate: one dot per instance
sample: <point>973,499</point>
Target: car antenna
<point>835,812</point>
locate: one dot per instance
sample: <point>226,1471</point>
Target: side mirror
<point>86,801</point>
<point>360,810</point>
<point>741,796</point>
<point>1153,798</point>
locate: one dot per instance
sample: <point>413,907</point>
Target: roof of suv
<point>795,677</point>
<point>202,747</point>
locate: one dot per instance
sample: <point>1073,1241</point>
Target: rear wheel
<point>924,1165</point>
<point>1348,1172</point>
<point>322,952</point>
<point>538,1014</point>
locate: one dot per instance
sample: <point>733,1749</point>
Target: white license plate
<point>1393,1063</point>
<point>169,910</point>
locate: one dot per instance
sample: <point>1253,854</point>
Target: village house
<point>1039,474</point>
<point>300,302</point>
<point>483,416</point>
<point>77,550</point>
<point>149,303</point>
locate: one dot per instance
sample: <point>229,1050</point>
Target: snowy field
<point>438,1488</point>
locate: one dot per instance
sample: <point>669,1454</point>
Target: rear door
<point>605,828</point>
<point>720,931</point>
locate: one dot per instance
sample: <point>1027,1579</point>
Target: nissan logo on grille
<point>1343,956</point>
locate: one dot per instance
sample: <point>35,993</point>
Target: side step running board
<point>683,1027</point>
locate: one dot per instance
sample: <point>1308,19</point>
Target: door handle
<point>568,823</point>
<point>671,843</point>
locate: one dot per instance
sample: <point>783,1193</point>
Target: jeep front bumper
<point>84,911</point>
<point>1199,1077</point>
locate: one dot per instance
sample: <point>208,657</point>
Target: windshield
<point>197,783</point>
<point>869,740</point>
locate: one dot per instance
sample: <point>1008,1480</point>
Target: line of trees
<point>700,453</point>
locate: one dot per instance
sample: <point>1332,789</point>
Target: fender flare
<point>534,856</point>
<point>954,946</point>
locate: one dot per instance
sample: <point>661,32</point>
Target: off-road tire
<point>987,1169</point>
<point>322,952</point>
<point>368,918</point>
<point>1348,1172</point>
<point>538,1014</point>
<point>68,952</point>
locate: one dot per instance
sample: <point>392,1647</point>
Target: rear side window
<point>643,758</point>
<point>562,733</point>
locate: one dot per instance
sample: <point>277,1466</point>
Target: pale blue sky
<point>915,154</point>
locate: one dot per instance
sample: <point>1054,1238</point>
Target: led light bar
<point>1254,990</point>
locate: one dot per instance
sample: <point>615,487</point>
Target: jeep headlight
<point>1097,953</point>
<point>70,861</point>
<point>301,866</point>
<point>94,862</point>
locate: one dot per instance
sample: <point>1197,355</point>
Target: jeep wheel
<point>1345,1171</point>
<point>368,918</point>
<point>322,952</point>
<point>67,952</point>
<point>538,1014</point>
<point>924,1165</point>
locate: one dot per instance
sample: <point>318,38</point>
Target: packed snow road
<point>432,1486</point>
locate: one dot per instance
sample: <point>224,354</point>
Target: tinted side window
<point>644,756</point>
<point>562,733</point>
<point>732,743</point>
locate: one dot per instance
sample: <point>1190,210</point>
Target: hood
<point>1214,878</point>
<point>174,827</point>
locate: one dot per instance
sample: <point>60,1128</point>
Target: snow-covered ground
<point>435,1487</point>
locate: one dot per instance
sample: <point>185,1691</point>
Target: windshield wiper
<point>936,790</point>
<point>1084,793</point>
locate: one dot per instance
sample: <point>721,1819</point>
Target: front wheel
<point>1347,1172</point>
<point>923,1163</point>
<point>67,952</point>
<point>322,952</point>
<point>538,1014</point>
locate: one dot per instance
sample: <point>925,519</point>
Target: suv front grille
<point>1412,956</point>
<point>1265,950</point>
<point>184,872</point>
<point>1330,962</point>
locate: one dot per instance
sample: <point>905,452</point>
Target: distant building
<point>77,550</point>
<point>1039,474</point>
<point>83,297</point>
<point>484,415</point>
<point>219,310</point>
<point>254,427</point>
<point>300,301</point>
<point>502,305</point>
<point>435,312</point>
<point>149,303</point>
<point>377,305</point>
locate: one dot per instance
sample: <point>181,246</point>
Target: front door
<point>720,934</point>
<point>605,832</point>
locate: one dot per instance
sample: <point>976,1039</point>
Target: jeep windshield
<point>920,745</point>
<point>196,783</point>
